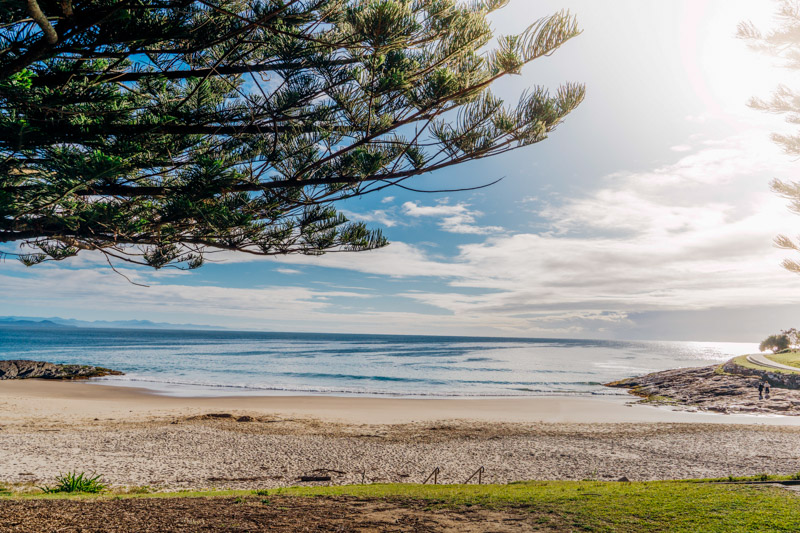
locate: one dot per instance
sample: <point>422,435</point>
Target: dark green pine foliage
<point>157,131</point>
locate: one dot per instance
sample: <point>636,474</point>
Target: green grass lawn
<point>609,506</point>
<point>788,358</point>
<point>582,505</point>
<point>742,361</point>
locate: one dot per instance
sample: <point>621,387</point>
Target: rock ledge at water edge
<point>713,388</point>
<point>24,369</point>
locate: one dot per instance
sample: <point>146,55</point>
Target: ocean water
<point>238,363</point>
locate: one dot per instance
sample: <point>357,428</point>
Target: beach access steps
<point>479,473</point>
<point>434,475</point>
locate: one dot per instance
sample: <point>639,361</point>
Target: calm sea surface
<point>223,362</point>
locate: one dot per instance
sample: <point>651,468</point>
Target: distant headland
<point>58,322</point>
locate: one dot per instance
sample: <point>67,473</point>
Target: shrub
<point>776,343</point>
<point>74,482</point>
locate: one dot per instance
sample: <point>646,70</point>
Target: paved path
<point>759,359</point>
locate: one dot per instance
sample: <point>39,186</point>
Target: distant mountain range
<point>58,322</point>
<point>4,322</point>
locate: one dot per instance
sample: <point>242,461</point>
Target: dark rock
<point>24,369</point>
<point>245,418</point>
<point>624,479</point>
<point>211,416</point>
<point>314,478</point>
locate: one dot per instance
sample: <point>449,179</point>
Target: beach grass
<point>74,482</point>
<point>691,505</point>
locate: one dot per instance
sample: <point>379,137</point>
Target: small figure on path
<point>760,390</point>
<point>766,391</point>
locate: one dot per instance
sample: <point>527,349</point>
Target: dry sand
<point>135,438</point>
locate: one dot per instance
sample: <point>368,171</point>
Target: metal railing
<point>479,473</point>
<point>434,475</point>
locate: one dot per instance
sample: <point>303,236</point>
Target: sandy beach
<point>135,438</point>
<point>46,401</point>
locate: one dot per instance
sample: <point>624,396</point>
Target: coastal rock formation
<point>23,369</point>
<point>710,388</point>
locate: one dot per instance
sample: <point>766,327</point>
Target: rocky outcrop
<point>23,369</point>
<point>710,388</point>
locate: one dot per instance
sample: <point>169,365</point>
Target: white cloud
<point>529,200</point>
<point>380,216</point>
<point>101,289</point>
<point>288,271</point>
<point>695,234</point>
<point>458,218</point>
<point>700,118</point>
<point>388,200</point>
<point>398,260</point>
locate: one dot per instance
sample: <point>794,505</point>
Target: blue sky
<point>647,214</point>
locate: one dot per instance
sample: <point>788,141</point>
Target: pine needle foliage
<point>158,131</point>
<point>782,42</point>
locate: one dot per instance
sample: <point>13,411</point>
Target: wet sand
<point>40,400</point>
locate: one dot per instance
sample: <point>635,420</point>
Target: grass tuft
<point>75,482</point>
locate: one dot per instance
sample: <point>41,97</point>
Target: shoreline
<point>53,401</point>
<point>135,438</point>
<point>187,390</point>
